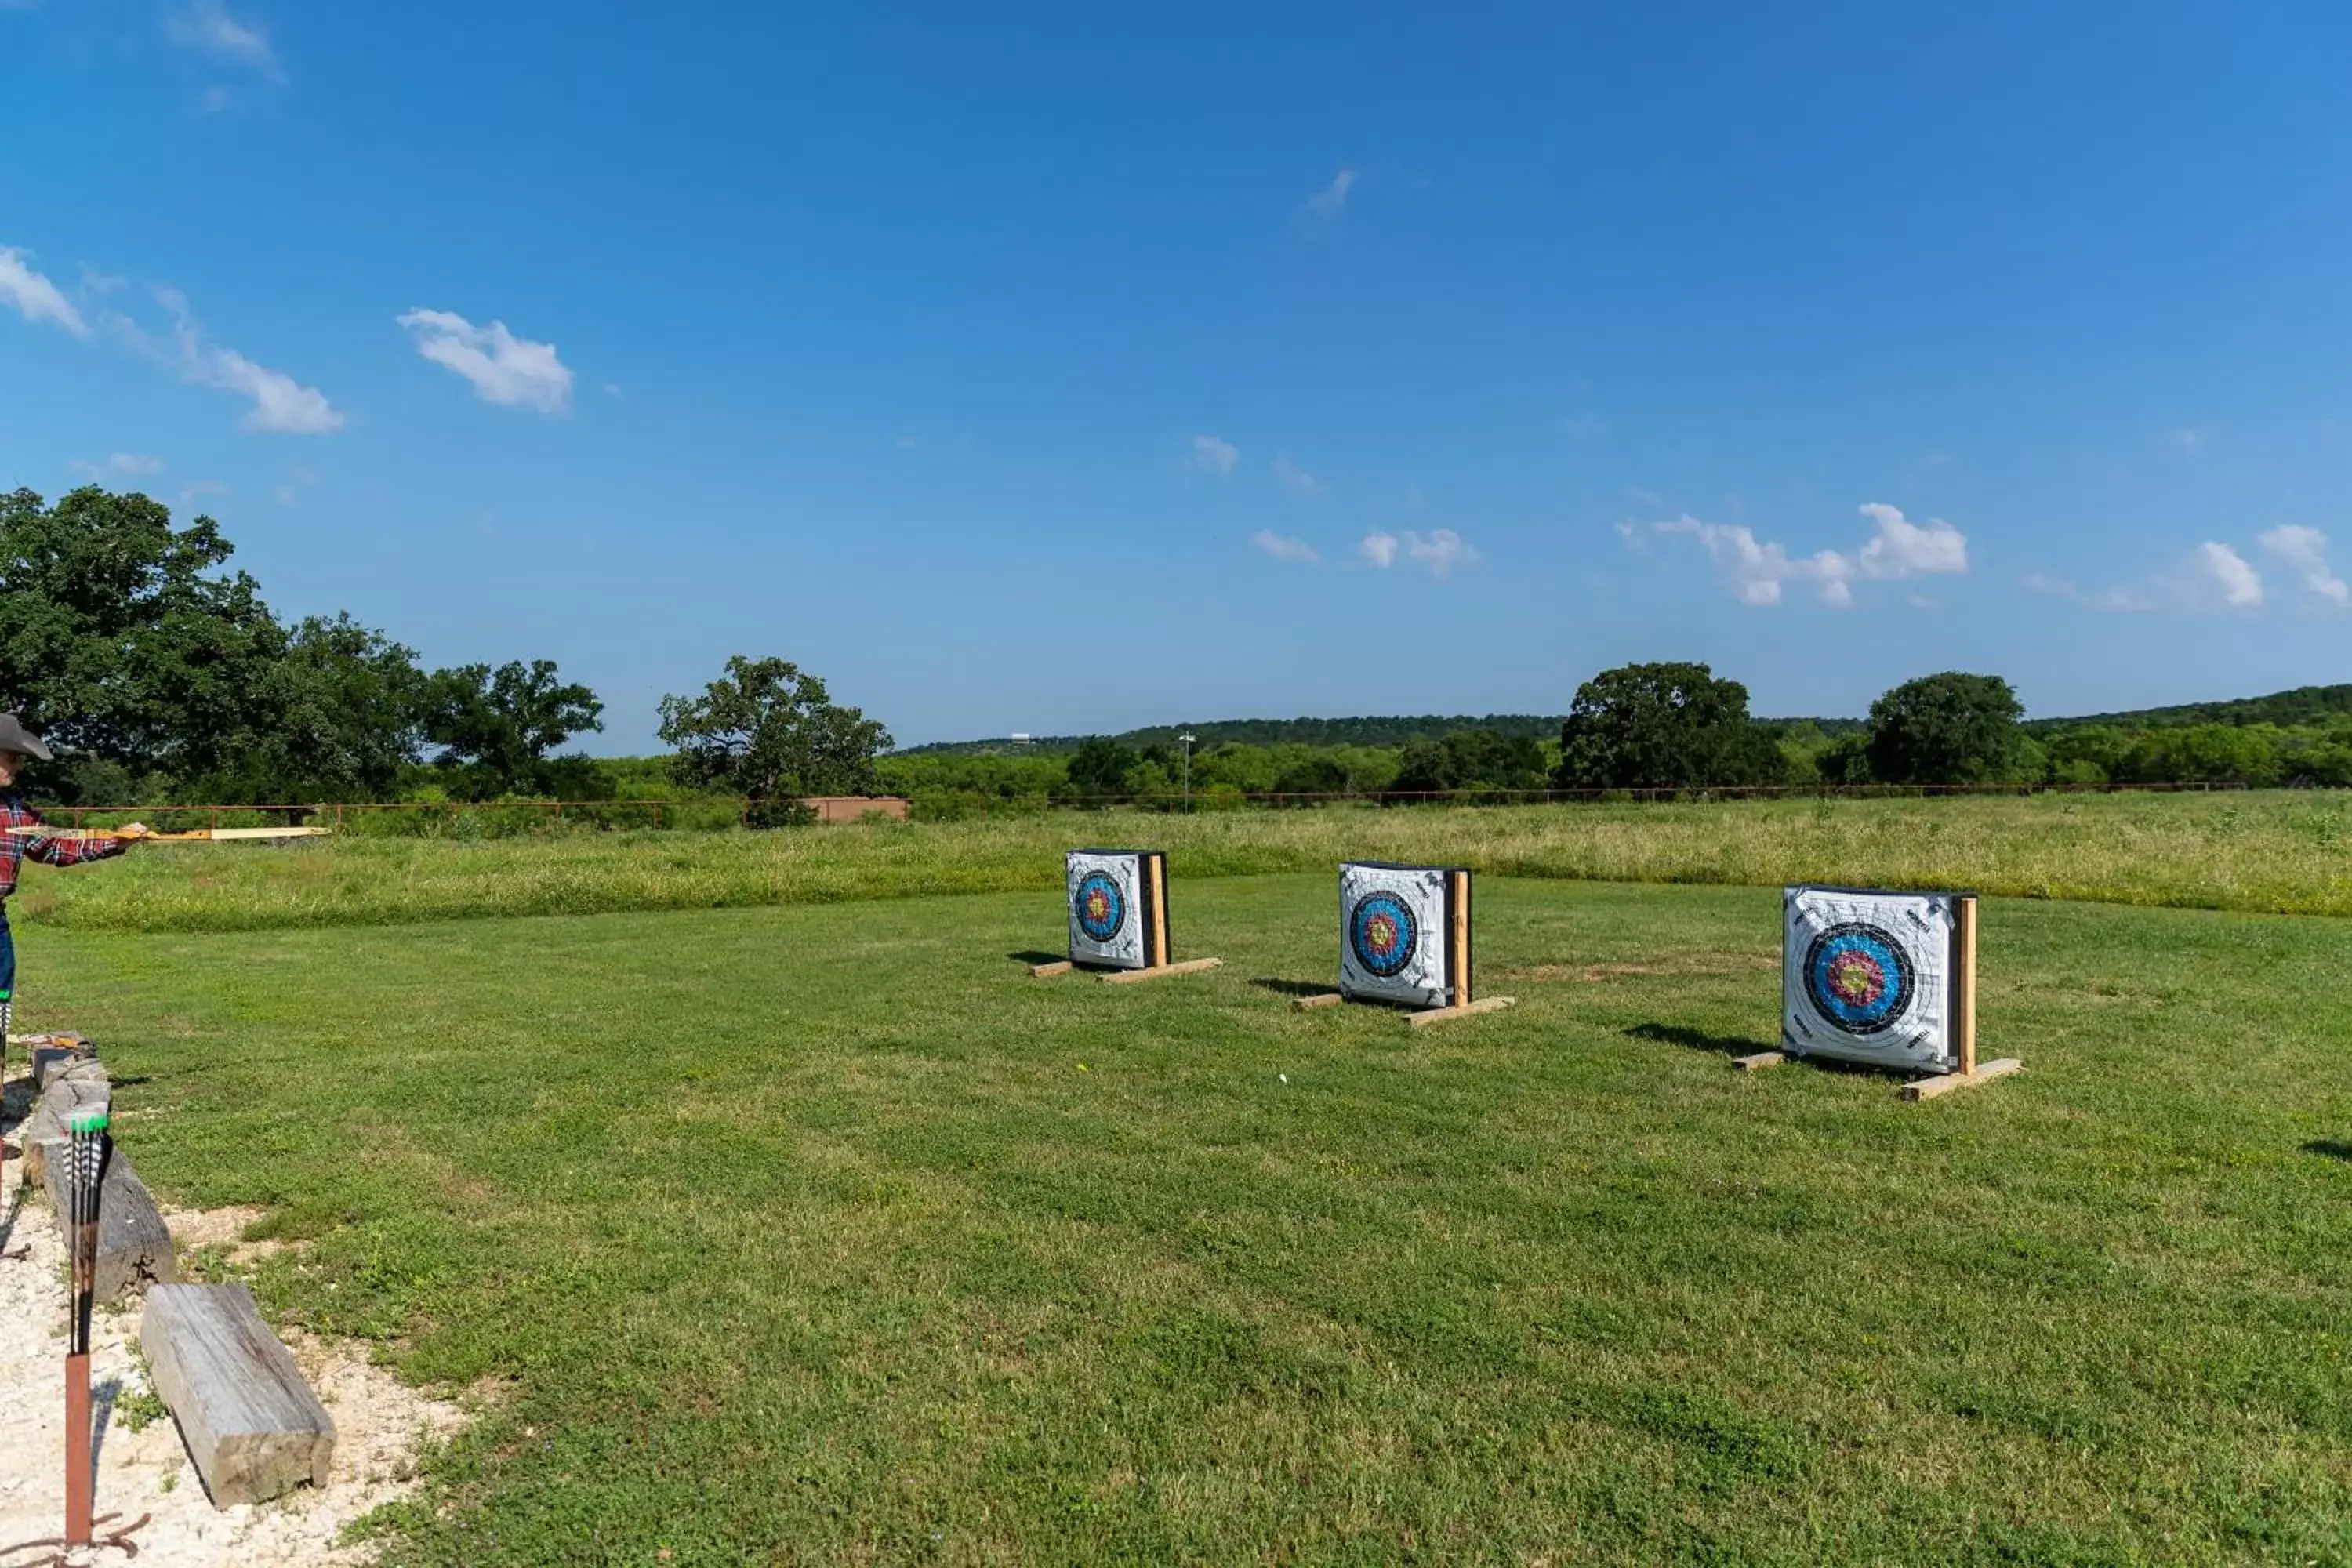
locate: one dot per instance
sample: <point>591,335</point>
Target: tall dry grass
<point>2278,852</point>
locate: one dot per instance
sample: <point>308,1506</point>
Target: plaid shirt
<point>15,850</point>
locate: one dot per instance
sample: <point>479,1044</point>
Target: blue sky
<point>1063,369</point>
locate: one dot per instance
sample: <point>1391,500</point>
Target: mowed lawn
<point>826,1234</point>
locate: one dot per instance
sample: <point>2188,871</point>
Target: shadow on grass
<point>1035,956</point>
<point>1293,987</point>
<point>1700,1040</point>
<point>2332,1148</point>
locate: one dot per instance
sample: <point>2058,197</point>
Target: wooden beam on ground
<point>57,1053</point>
<point>1320,999</point>
<point>1759,1061</point>
<point>134,1245</point>
<point>251,1423</point>
<point>73,1090</point>
<point>1439,1014</point>
<point>1929,1088</point>
<point>1040,970</point>
<point>1190,966</point>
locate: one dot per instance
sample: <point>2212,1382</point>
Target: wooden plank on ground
<point>1759,1061</point>
<point>79,1087</point>
<point>251,1423</point>
<point>1320,999</point>
<point>1929,1088</point>
<point>1439,1015</point>
<point>57,1053</point>
<point>1040,971</point>
<point>134,1245</point>
<point>1190,966</point>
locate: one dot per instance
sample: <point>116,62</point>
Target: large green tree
<point>495,727</point>
<point>1663,726</point>
<point>1948,729</point>
<point>123,639</point>
<point>769,731</point>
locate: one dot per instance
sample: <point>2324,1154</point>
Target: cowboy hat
<point>15,737</point>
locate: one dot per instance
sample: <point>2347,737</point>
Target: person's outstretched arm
<point>62,848</point>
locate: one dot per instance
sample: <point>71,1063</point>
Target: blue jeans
<point>8,957</point>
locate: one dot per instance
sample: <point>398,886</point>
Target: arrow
<point>202,834</point>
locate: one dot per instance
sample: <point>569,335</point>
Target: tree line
<point>160,675</point>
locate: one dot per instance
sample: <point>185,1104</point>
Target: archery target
<point>1110,917</point>
<point>1394,925</point>
<point>1868,976</point>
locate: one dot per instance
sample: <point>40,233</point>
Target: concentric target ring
<point>1383,934</point>
<point>1100,908</point>
<point>1859,978</point>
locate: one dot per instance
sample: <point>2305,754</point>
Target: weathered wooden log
<point>73,1090</point>
<point>54,1053</point>
<point>134,1245</point>
<point>250,1421</point>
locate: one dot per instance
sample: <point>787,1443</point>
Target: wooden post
<point>1190,966</point>
<point>1964,989</point>
<point>1458,939</point>
<point>1157,957</point>
<point>251,1423</point>
<point>1468,1010</point>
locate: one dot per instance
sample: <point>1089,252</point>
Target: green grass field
<point>824,1234</point>
<point>2281,852</point>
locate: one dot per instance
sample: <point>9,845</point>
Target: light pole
<point>1187,738</point>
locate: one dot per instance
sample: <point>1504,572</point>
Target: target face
<point>1383,934</point>
<point>1112,923</point>
<point>1098,907</point>
<point>1393,925</point>
<point>1868,976</point>
<point>1858,977</point>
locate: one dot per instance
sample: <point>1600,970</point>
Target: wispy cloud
<point>1297,480</point>
<point>282,405</point>
<point>1757,570</point>
<point>1441,550</point>
<point>34,296</point>
<point>1211,456</point>
<point>2184,441</point>
<point>2227,573</point>
<point>206,27</point>
<point>2214,577</point>
<point>118,464</point>
<point>502,368</point>
<point>1332,200</point>
<point>2304,549</point>
<point>1283,548</point>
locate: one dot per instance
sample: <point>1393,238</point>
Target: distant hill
<point>2304,705</point>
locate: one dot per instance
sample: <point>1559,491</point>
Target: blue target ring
<point>1383,934</point>
<point>1098,906</point>
<point>1859,978</point>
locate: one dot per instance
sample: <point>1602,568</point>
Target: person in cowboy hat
<point>19,745</point>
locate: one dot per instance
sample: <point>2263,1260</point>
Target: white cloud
<point>207,28</point>
<point>1212,456</point>
<point>1332,199</point>
<point>502,368</point>
<point>1283,548</point>
<point>2223,571</point>
<point>1441,550</point>
<point>281,405</point>
<point>1755,570</point>
<point>1296,480</point>
<point>2306,550</point>
<point>35,298</point>
<point>134,463</point>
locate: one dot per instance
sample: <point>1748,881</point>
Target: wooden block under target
<point>1886,978</point>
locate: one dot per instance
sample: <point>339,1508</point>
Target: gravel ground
<point>379,1423</point>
